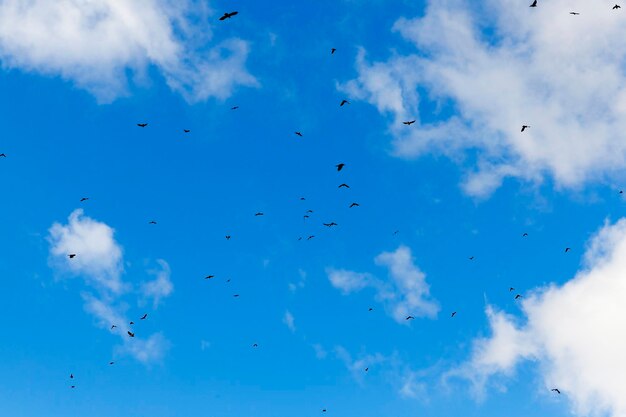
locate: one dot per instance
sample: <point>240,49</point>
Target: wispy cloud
<point>405,293</point>
<point>564,77</point>
<point>289,321</point>
<point>160,287</point>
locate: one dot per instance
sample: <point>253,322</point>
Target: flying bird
<point>525,234</point>
<point>227,237</point>
<point>228,15</point>
<point>330,224</point>
<point>344,102</point>
<point>113,326</point>
<point>131,334</point>
<point>142,124</point>
<point>309,211</point>
<point>84,199</point>
<point>370,309</point>
<point>453,314</point>
<point>354,205</point>
<point>333,50</point>
<point>131,323</point>
<point>71,376</point>
<point>71,255</point>
<point>235,295</point>
<point>258,214</point>
<point>518,296</point>
<point>534,4</point>
<point>209,276</point>
<point>367,369</point>
<point>186,130</point>
<point>471,258</point>
<point>574,13</point>
<point>310,237</point>
<point>524,127</point>
<point>298,133</point>
<point>234,107</point>
<point>556,390</point>
<point>340,166</point>
<point>408,123</point>
<point>567,249</point>
<point>344,186</point>
<point>145,316</point>
<point>255,345</point>
<point>511,289</point>
<point>152,222</point>
<point>72,386</point>
<point>2,155</point>
<point>617,6</point>
<point>410,318</point>
<point>111,363</point>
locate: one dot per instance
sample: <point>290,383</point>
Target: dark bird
<point>71,376</point>
<point>310,237</point>
<point>131,323</point>
<point>408,123</point>
<point>556,390</point>
<point>111,363</point>
<point>333,50</point>
<point>258,214</point>
<point>518,296</point>
<point>574,13</point>
<point>344,186</point>
<point>113,326</point>
<point>340,166</point>
<point>534,4</point>
<point>367,369</point>
<point>228,15</point>
<point>471,258</point>
<point>131,334</point>
<point>302,198</point>
<point>306,216</point>
<point>209,276</point>
<point>323,410</point>
<point>567,249</point>
<point>453,314</point>
<point>525,234</point>
<point>145,316</point>
<point>524,127</point>
<point>354,205</point>
<point>298,133</point>
<point>142,124</point>
<point>152,222</point>
<point>344,102</point>
<point>396,232</point>
<point>330,224</point>
<point>72,386</point>
<point>410,318</point>
<point>2,155</point>
<point>227,237</point>
<point>84,199</point>
<point>511,289</point>
<point>255,345</point>
<point>71,255</point>
<point>186,130</point>
<point>370,309</point>
<point>235,295</point>
<point>617,6</point>
<point>309,211</point>
<point>621,191</point>
<point>234,107</point>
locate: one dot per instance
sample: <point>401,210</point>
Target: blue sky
<point>461,182</point>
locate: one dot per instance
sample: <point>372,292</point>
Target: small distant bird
<point>453,314</point>
<point>234,107</point>
<point>396,232</point>
<point>344,186</point>
<point>152,222</point>
<point>2,155</point>
<point>71,255</point>
<point>534,4</point>
<point>617,6</point>
<point>333,50</point>
<point>518,296</point>
<point>556,390</point>
<point>524,127</point>
<point>525,234</point>
<point>408,123</point>
<point>186,130</point>
<point>145,316</point>
<point>370,309</point>
<point>228,280</point>
<point>142,124</point>
<point>306,216</point>
<point>621,191</point>
<point>255,345</point>
<point>131,323</point>
<point>302,199</point>
<point>323,410</point>
<point>111,363</point>
<point>131,334</point>
<point>410,318</point>
<point>354,205</point>
<point>113,326</point>
<point>298,133</point>
<point>72,386</point>
<point>71,376</point>
<point>309,211</point>
<point>340,166</point>
<point>227,237</point>
<point>209,276</point>
<point>310,237</point>
<point>574,13</point>
<point>235,295</point>
<point>511,289</point>
<point>228,15</point>
<point>344,102</point>
<point>471,258</point>
<point>331,224</point>
<point>367,369</point>
<point>567,249</point>
<point>258,214</point>
<point>84,199</point>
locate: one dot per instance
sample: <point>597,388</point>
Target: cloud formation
<point>98,262</point>
<point>97,43</point>
<point>500,64</point>
<point>406,292</point>
<point>573,333</point>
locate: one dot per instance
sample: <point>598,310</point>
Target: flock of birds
<point>339,167</point>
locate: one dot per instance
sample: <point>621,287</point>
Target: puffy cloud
<point>96,42</point>
<point>499,65</point>
<point>572,332</point>
<point>99,262</point>
<point>289,321</point>
<point>406,292</point>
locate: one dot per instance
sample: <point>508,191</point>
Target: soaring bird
<point>354,205</point>
<point>186,130</point>
<point>298,133</point>
<point>113,326</point>
<point>84,199</point>
<point>331,224</point>
<point>453,314</point>
<point>556,390</point>
<point>255,345</point>
<point>518,296</point>
<point>152,222</point>
<point>574,13</point>
<point>333,50</point>
<point>370,309</point>
<point>617,6</point>
<point>209,276</point>
<point>340,166</point>
<point>131,323</point>
<point>525,234</point>
<point>410,318</point>
<point>309,211</point>
<point>142,124</point>
<point>344,102</point>
<point>234,107</point>
<point>227,237</point>
<point>3,155</point>
<point>72,386</point>
<point>111,363</point>
<point>258,214</point>
<point>306,216</point>
<point>511,289</point>
<point>131,334</point>
<point>310,237</point>
<point>71,255</point>
<point>228,15</point>
<point>471,258</point>
<point>302,199</point>
<point>71,376</point>
<point>344,186</point>
<point>408,123</point>
<point>367,369</point>
<point>534,4</point>
<point>235,295</point>
<point>145,316</point>
<point>567,249</point>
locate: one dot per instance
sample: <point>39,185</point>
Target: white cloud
<point>405,293</point>
<point>99,262</point>
<point>159,287</point>
<point>289,321</point>
<point>320,352</point>
<point>572,332</point>
<point>563,75</point>
<point>96,42</point>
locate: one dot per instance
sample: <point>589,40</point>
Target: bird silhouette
<point>354,205</point>
<point>3,155</point>
<point>525,234</point>
<point>367,369</point>
<point>534,4</point>
<point>370,309</point>
<point>340,166</point>
<point>255,345</point>
<point>344,186</point>
<point>236,295</point>
<point>524,127</point>
<point>617,6</point>
<point>298,133</point>
<point>72,386</point>
<point>556,390</point>
<point>209,276</point>
<point>71,376</point>
<point>145,316</point>
<point>84,199</point>
<point>131,334</point>
<point>511,289</point>
<point>186,130</point>
<point>227,237</point>
<point>234,107</point>
<point>567,249</point>
<point>258,214</point>
<point>310,237</point>
<point>111,363</point>
<point>131,323</point>
<point>71,255</point>
<point>142,124</point>
<point>152,222</point>
<point>309,211</point>
<point>518,296</point>
<point>333,50</point>
<point>574,13</point>
<point>408,123</point>
<point>471,258</point>
<point>228,15</point>
<point>330,224</point>
<point>344,102</point>
<point>453,314</point>
<point>410,318</point>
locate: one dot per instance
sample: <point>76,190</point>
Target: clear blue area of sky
<point>63,145</point>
